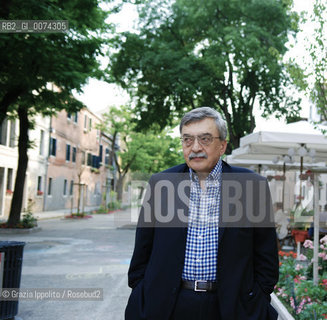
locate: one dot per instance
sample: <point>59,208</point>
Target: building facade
<point>69,164</point>
<point>8,163</point>
<point>37,164</point>
<point>77,175</point>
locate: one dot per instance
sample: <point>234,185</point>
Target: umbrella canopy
<point>295,140</point>
<point>300,143</point>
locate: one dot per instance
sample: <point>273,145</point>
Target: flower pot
<point>300,235</point>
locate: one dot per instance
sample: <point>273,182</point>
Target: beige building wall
<point>8,164</point>
<point>76,173</point>
<point>37,164</point>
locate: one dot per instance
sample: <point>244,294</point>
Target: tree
<point>39,70</point>
<point>147,152</point>
<point>226,54</point>
<point>317,66</point>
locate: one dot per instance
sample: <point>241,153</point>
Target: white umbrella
<point>303,144</point>
<point>288,139</point>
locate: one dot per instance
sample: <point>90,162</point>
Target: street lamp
<point>302,152</point>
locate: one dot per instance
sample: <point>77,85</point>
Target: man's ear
<point>222,147</point>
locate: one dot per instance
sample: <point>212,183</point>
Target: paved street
<point>88,253</point>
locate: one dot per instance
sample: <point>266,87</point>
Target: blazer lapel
<point>225,170</point>
<point>182,197</point>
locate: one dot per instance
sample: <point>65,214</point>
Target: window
<point>90,124</point>
<point>100,153</point>
<point>76,117</point>
<point>89,159</point>
<point>85,123</point>
<point>3,132</point>
<point>71,189</point>
<point>49,187</point>
<point>94,161</point>
<point>12,133</point>
<point>74,155</point>
<point>106,159</point>
<point>83,157</point>
<point>65,187</point>
<point>41,142</point>
<point>10,179</point>
<point>69,116</point>
<point>67,152</point>
<point>53,146</point>
<point>39,191</point>
<point>39,183</point>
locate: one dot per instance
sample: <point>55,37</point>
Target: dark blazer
<point>247,266</point>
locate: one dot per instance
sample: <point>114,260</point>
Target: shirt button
<point>198,260</point>
<point>200,237</point>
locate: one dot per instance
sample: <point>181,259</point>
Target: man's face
<point>199,157</point>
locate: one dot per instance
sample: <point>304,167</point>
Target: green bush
<point>28,221</point>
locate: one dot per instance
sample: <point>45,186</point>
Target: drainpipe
<point>45,193</point>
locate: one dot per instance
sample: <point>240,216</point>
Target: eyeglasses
<point>203,139</point>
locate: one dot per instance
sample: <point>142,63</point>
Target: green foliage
<point>295,287</point>
<point>316,66</point>
<point>30,61</point>
<point>39,71</point>
<point>102,209</point>
<point>226,54</point>
<point>301,218</point>
<point>114,204</point>
<point>29,221</point>
<point>140,151</point>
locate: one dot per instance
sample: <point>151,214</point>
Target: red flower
<point>297,279</point>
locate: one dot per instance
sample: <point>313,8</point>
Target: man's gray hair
<point>202,113</point>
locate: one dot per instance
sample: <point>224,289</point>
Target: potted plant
<point>300,221</point>
<point>295,287</point>
<point>300,235</point>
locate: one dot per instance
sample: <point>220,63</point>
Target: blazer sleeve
<point>143,239</point>
<point>266,263</point>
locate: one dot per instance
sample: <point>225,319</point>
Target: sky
<point>99,95</point>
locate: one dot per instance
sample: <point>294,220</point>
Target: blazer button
<point>173,291</point>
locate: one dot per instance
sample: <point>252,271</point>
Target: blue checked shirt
<point>202,234</point>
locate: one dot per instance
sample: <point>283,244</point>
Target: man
<point>221,261</point>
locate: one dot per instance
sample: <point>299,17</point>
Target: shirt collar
<point>213,175</point>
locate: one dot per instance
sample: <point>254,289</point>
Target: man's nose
<point>196,147</point>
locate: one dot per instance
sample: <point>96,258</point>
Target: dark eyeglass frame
<point>201,139</point>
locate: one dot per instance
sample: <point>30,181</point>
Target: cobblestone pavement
<point>83,253</point>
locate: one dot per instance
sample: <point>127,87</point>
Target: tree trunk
<point>79,197</point>
<point>120,183</point>
<point>17,199</point>
<point>234,142</point>
<point>8,99</point>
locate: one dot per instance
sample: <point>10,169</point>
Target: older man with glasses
<point>221,263</point>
